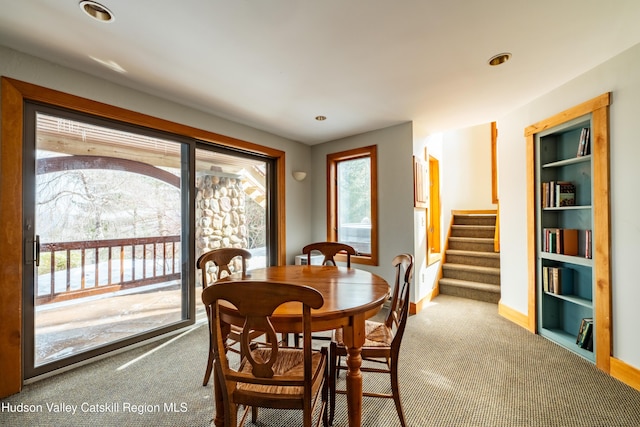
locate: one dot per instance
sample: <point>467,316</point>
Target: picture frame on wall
<point>420,183</point>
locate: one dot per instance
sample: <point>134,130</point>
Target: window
<point>352,199</point>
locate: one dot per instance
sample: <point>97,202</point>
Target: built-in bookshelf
<point>569,229</point>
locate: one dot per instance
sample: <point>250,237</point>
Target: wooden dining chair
<point>225,262</point>
<point>268,376</point>
<point>382,340</point>
<point>329,250</point>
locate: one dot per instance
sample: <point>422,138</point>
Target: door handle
<point>37,250</point>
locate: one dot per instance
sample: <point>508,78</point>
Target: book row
<point>560,241</point>
<point>556,194</point>
<point>567,241</point>
<point>584,148</point>
<point>585,334</point>
<point>557,280</point>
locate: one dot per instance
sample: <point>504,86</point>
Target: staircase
<point>471,268</point>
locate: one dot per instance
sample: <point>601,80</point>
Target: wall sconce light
<point>299,175</point>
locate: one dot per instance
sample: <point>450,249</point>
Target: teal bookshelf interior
<point>560,314</point>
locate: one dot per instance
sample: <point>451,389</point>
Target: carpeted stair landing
<point>471,268</point>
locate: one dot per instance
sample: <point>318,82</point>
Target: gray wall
<point>395,190</point>
<point>621,76</point>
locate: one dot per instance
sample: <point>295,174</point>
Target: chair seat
<point>377,334</point>
<point>290,363</point>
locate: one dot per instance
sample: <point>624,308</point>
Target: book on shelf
<point>546,194</point>
<point>587,244</point>
<point>585,334</point>
<point>589,344</point>
<point>548,242</point>
<point>581,331</point>
<point>583,143</point>
<point>567,241</point>
<point>565,194</point>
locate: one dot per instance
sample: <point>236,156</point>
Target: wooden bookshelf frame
<point>598,107</point>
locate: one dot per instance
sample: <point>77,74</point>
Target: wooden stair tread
<point>474,268</point>
<point>470,226</point>
<point>472,239</point>
<point>471,285</point>
<point>473,253</point>
<point>489,219</point>
<point>478,214</point>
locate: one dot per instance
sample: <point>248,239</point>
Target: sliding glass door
<point>115,216</point>
<point>107,237</point>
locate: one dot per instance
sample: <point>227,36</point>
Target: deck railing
<point>99,266</point>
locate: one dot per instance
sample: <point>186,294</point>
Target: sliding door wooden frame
<point>14,94</point>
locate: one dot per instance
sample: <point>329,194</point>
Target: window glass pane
<point>231,205</point>
<point>354,203</point>
<point>108,215</point>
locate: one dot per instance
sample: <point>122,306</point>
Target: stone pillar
<point>220,214</point>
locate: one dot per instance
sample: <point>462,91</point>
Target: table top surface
<point>346,291</point>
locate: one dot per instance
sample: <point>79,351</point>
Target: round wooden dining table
<point>350,297</point>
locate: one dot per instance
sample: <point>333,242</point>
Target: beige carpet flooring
<point>462,365</point>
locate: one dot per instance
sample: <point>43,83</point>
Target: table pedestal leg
<point>354,386</point>
<point>353,336</point>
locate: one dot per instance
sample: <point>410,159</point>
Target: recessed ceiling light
<point>321,118</point>
<point>97,11</point>
<point>500,58</point>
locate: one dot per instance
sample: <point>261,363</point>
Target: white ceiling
<point>365,64</point>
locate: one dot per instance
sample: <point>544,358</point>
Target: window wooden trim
<point>494,163</point>
<point>332,200</point>
<point>434,248</point>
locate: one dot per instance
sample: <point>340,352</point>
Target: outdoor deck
<point>89,293</point>
<point>76,325</point>
<point>108,290</point>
